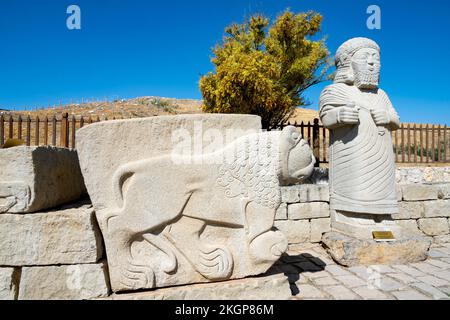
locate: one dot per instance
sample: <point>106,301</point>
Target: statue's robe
<point>362,163</point>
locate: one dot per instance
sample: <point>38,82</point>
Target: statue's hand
<point>349,114</point>
<point>381,117</point>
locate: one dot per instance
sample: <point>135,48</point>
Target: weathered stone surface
<point>8,283</point>
<point>442,239</point>
<point>409,227</point>
<point>444,190</point>
<point>423,175</point>
<point>172,214</point>
<point>74,282</point>
<point>281,213</point>
<point>434,226</point>
<point>319,227</point>
<point>399,192</point>
<point>295,231</point>
<point>420,192</point>
<point>410,210</point>
<point>436,209</point>
<point>305,193</point>
<point>274,287</point>
<point>38,178</point>
<point>351,252</point>
<point>290,194</point>
<point>312,210</point>
<point>66,236</point>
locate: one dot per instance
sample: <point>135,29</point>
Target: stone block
<point>314,193</point>
<point>295,231</point>
<point>436,209</point>
<point>67,236</point>
<point>442,239</point>
<point>8,283</point>
<point>290,194</point>
<point>74,282</point>
<point>190,198</point>
<point>319,227</point>
<point>399,192</point>
<point>38,178</point>
<point>434,226</point>
<point>281,213</point>
<point>444,190</point>
<point>409,227</point>
<point>420,192</point>
<point>352,252</point>
<point>275,287</point>
<point>312,210</point>
<point>409,210</point>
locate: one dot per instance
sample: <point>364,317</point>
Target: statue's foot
<point>215,262</point>
<point>268,247</point>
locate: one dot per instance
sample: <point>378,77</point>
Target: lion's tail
<point>122,174</point>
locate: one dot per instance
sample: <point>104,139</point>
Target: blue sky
<point>134,48</point>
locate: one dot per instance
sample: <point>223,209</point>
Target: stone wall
<point>424,207</point>
<point>55,254</point>
<point>59,253</point>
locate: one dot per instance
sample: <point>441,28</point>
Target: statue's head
<point>358,63</point>
<point>296,157</point>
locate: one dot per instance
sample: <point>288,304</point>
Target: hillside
<point>140,107</point>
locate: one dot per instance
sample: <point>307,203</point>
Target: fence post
<point>73,131</point>
<point>2,131</point>
<point>46,130</point>
<point>316,142</point>
<point>19,128</point>
<point>28,140</point>
<point>64,136</point>
<point>36,133</point>
<point>10,127</point>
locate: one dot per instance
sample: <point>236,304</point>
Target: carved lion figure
<point>168,205</point>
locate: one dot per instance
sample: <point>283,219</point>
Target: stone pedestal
<point>350,251</point>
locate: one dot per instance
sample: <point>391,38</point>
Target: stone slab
<point>275,287</point>
<point>351,252</point>
<point>305,193</point>
<point>436,209</point>
<point>312,210</point>
<point>410,210</point>
<point>66,236</point>
<point>434,226</point>
<point>295,231</point>
<point>38,178</point>
<point>190,198</point>
<point>319,227</point>
<point>74,282</point>
<point>420,192</point>
<point>8,283</point>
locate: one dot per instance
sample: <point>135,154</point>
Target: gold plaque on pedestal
<point>383,236</point>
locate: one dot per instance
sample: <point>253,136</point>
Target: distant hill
<point>141,107</point>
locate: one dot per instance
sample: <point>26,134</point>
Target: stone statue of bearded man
<point>360,118</point>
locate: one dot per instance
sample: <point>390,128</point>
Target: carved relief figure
<point>214,219</point>
<point>361,118</point>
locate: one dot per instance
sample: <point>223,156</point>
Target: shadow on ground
<point>293,267</point>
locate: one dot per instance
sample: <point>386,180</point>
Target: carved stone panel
<point>172,213</point>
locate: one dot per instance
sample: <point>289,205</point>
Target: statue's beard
<point>367,80</point>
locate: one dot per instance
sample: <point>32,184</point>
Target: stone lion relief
<point>176,220</point>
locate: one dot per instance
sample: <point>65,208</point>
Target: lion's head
<point>296,157</point>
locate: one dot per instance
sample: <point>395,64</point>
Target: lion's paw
<point>215,263</point>
<point>135,276</point>
<point>269,246</point>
